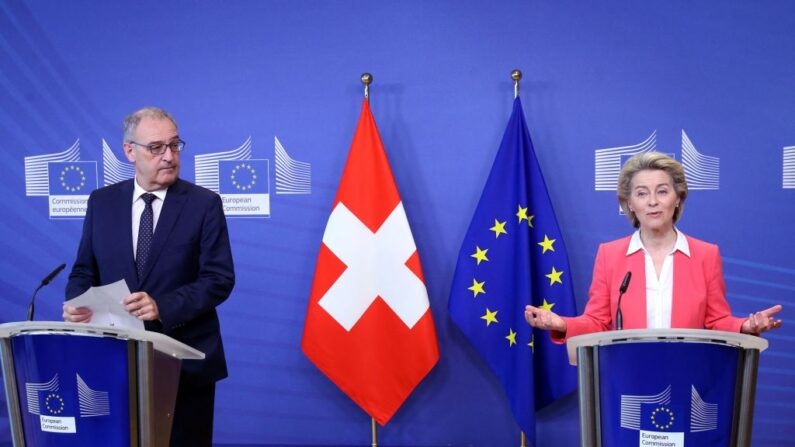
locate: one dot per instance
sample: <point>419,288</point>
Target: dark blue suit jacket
<point>190,271</point>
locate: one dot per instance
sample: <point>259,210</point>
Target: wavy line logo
<point>703,415</point>
<point>114,170</point>
<point>37,180</point>
<point>92,403</point>
<point>33,391</point>
<point>701,171</point>
<point>240,180</point>
<point>292,176</point>
<point>63,179</point>
<point>608,161</point>
<point>788,168</point>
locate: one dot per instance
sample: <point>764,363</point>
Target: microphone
<point>621,291</point>
<point>47,279</point>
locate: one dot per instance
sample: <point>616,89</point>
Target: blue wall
<point>597,75</point>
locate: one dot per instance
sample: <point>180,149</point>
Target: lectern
<point>73,384</point>
<point>666,387</point>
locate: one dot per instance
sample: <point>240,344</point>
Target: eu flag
<point>513,255</point>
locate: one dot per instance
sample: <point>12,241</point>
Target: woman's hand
<point>544,319</point>
<point>761,321</point>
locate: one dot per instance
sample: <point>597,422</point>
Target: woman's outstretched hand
<point>759,322</point>
<point>544,319</point>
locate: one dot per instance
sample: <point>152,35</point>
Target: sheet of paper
<point>106,304</point>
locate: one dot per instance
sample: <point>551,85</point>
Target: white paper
<point>106,305</point>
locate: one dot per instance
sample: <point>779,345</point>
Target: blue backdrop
<point>710,82</point>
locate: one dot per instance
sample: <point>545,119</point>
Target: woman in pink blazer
<point>677,281</point>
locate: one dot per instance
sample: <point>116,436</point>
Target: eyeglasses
<point>160,148</point>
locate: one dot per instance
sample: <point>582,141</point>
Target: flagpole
<point>367,79</point>
<point>516,75</point>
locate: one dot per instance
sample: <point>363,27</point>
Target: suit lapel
<point>172,207</point>
<point>124,213</point>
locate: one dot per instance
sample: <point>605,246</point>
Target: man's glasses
<point>160,148</point>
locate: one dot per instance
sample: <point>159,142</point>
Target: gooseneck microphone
<point>47,279</point>
<point>621,291</point>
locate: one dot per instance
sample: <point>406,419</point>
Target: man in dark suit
<point>168,239</point>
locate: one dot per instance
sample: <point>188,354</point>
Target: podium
<point>71,384</point>
<point>666,387</point>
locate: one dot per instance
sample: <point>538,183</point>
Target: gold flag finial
<point>367,79</point>
<point>516,75</point>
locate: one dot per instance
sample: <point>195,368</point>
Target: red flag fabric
<point>368,324</point>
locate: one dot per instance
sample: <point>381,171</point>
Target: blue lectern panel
<point>73,390</point>
<point>667,394</point>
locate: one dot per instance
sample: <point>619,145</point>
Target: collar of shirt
<point>139,191</point>
<point>635,243</point>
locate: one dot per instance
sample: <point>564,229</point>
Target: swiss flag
<point>368,324</point>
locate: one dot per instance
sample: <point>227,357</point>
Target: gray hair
<point>650,161</point>
<point>132,121</point>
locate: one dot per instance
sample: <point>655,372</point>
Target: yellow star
<point>546,305</point>
<point>480,255</point>
<point>477,287</point>
<point>546,244</point>
<point>498,228</point>
<point>554,277</point>
<point>532,343</point>
<point>511,337</point>
<point>490,317</point>
<point>530,220</point>
<point>521,214</point>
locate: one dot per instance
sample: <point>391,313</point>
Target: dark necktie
<point>145,231</point>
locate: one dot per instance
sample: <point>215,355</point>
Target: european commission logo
<point>243,182</point>
<point>702,171</point>
<point>56,414</point>
<point>63,179</point>
<point>658,420</point>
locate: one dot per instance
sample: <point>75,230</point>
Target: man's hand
<point>141,306</point>
<point>76,314</point>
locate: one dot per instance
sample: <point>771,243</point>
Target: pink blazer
<point>699,295</point>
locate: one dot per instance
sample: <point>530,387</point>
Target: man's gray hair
<point>132,121</point>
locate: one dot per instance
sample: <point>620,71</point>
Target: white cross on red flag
<point>368,325</point>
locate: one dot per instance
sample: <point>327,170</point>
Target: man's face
<point>154,171</point>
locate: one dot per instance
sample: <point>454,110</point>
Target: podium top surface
<point>160,342</point>
<point>663,336</point>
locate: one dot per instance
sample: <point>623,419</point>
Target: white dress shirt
<point>138,206</point>
<point>659,291</point>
